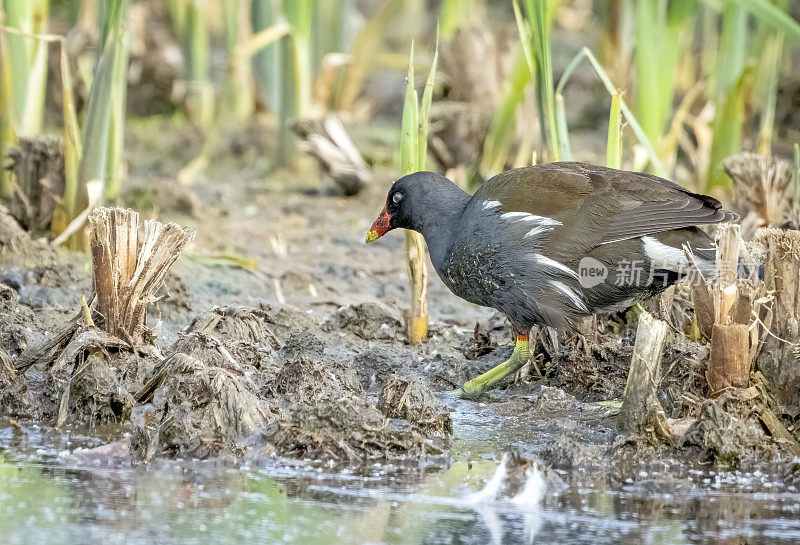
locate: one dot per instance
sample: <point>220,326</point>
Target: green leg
<point>475,387</point>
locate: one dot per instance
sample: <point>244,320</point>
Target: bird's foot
<point>467,392</point>
<point>473,389</point>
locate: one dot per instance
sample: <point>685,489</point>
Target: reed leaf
<point>770,14</point>
<point>363,57</point>
<point>425,111</point>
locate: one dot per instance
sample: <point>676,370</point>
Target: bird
<point>550,244</point>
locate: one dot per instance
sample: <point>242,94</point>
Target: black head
<point>415,201</point>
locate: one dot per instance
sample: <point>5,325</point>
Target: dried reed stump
<point>641,412</point>
<point>779,357</point>
<point>730,356</point>
<point>130,266</point>
<point>38,167</point>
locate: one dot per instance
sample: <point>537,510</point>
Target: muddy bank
<point>237,381</point>
<point>255,382</point>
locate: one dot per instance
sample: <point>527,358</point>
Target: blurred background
<point>144,96</point>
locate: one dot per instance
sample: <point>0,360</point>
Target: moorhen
<point>549,244</point>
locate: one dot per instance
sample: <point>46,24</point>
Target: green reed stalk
<point>104,126</point>
<point>73,148</point>
<point>116,130</point>
<point>730,88</point>
<point>534,31</point>
<point>237,102</point>
<point>796,175</point>
<point>768,75</point>
<point>299,14</point>
<point>614,142</point>
<point>497,145</point>
<point>199,92</point>
<point>6,135</point>
<point>413,156</point>
<point>264,14</point>
<point>659,30</point>
<point>24,64</point>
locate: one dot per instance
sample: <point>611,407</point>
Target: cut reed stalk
<point>730,357</point>
<point>129,267</point>
<point>778,357</point>
<point>641,412</point>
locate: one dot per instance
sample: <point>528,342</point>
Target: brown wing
<point>598,205</point>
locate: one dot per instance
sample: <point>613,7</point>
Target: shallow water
<point>47,497</point>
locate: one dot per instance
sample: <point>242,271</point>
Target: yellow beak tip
<point>372,236</point>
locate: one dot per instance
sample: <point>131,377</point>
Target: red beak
<point>380,227</point>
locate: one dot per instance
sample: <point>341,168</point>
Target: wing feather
<point>598,205</point>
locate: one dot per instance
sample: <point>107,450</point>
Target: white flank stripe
<point>537,230</point>
<point>569,293</point>
<point>664,256</point>
<point>555,265</point>
<point>515,215</point>
<point>524,216</point>
<point>490,204</point>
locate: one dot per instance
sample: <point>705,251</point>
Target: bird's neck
<point>440,228</point>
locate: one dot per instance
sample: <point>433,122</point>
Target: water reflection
<point>46,497</point>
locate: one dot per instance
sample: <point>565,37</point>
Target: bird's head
<point>413,202</point>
